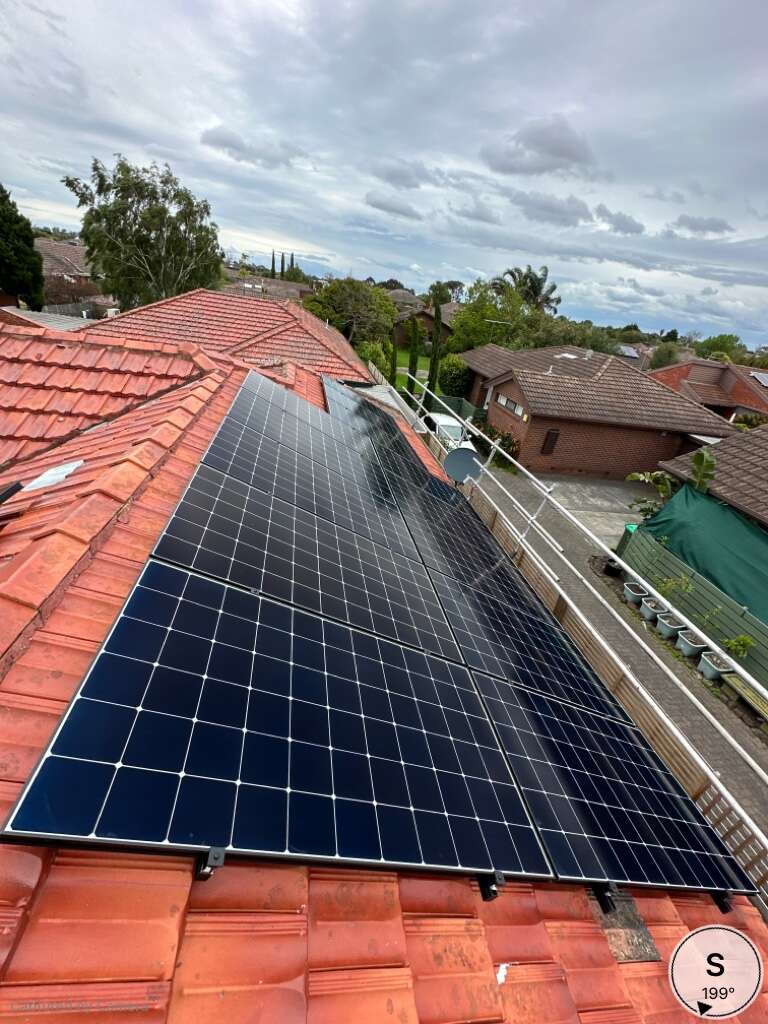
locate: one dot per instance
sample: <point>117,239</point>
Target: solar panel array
<point>329,656</point>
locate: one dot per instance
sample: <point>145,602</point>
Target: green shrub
<point>455,377</point>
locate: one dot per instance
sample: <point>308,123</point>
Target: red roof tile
<point>239,326</point>
<point>54,384</point>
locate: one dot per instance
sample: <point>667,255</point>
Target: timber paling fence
<point>745,840</point>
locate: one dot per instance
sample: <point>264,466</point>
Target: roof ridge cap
<point>660,384</point>
<point>158,302</point>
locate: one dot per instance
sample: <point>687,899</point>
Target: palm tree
<point>531,286</point>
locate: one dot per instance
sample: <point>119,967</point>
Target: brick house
<point>726,388</point>
<point>426,317</point>
<point>578,411</point>
<point>107,935</point>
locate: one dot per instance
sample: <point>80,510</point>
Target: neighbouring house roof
<point>448,311</point>
<point>741,472</point>
<point>56,321</point>
<point>63,258</point>
<point>120,934</point>
<point>267,287</point>
<point>237,326</point>
<point>576,384</point>
<point>713,383</point>
<point>55,384</point>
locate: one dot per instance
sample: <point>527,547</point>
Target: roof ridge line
<point>660,383</point>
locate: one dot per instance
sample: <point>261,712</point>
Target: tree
<point>665,354</point>
<point>488,316</point>
<point>455,377</point>
<point>437,344</point>
<point>362,312</point>
<point>415,331</point>
<point>272,268</point>
<point>456,289</point>
<point>291,263</point>
<point>393,362</point>
<point>439,292</point>
<point>391,284</point>
<point>146,236</point>
<point>282,266</point>
<point>531,286</point>
<point>57,234</point>
<point>21,265</point>
<point>719,344</point>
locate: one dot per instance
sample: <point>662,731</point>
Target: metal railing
<point>742,835</point>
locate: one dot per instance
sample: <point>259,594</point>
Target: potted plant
<point>650,608</point>
<point>668,625</point>
<point>634,592</point>
<point>712,666</point>
<point>689,643</point>
<point>612,567</point>
<point>739,645</point>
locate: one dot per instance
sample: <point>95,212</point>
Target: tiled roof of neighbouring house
<point>741,472</point>
<point>56,321</point>
<point>576,384</point>
<point>97,934</point>
<point>713,383</point>
<point>55,384</point>
<point>238,326</point>
<point>63,258</point>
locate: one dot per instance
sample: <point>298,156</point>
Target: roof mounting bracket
<point>208,861</point>
<point>604,894</point>
<point>10,490</point>
<point>490,885</point>
<point>723,900</point>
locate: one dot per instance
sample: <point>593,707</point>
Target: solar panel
<point>249,725</point>
<point>761,378</point>
<point>606,806</point>
<point>242,535</point>
<point>501,639</point>
<point>272,417</point>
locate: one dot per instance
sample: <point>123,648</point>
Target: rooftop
<point>56,384</point>
<point>741,472</point>
<point>577,384</point>
<point>56,321</point>
<point>717,384</point>
<point>235,325</point>
<point>63,258</point>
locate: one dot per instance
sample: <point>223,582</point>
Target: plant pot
<point>689,644</point>
<point>612,567</point>
<point>634,593</point>
<point>668,626</point>
<point>650,608</point>
<point>712,666</point>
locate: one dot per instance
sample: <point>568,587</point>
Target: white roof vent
<point>566,355</point>
<point>53,476</point>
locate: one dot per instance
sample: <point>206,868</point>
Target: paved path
<point>736,775</point>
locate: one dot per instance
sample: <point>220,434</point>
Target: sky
<point>622,145</point>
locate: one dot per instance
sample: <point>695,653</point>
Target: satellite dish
<point>462,464</point>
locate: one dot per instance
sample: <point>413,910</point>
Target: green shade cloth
<point>719,543</point>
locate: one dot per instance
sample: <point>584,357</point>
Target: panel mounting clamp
<point>723,900</point>
<point>490,885</point>
<point>208,862</point>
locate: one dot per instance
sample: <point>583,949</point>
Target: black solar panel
<point>606,806</point>
<point>242,535</point>
<point>286,425</point>
<point>253,726</point>
<point>503,640</point>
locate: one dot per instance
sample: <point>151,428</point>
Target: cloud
<point>641,289</point>
<point>702,225</point>
<point>541,146</point>
<point>708,290</point>
<point>267,153</point>
<point>664,195</point>
<point>392,204</point>
<point>619,222</point>
<point>549,209</point>
<point>402,173</point>
<point>477,210</point>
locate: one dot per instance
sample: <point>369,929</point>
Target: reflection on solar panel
<point>761,378</point>
<point>242,535</point>
<point>214,716</point>
<point>606,806</point>
<point>503,640</point>
<point>253,726</point>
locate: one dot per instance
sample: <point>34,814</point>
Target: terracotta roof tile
<point>740,479</point>
<point>59,384</point>
<point>252,330</point>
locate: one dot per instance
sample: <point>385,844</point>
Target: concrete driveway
<point>601,505</point>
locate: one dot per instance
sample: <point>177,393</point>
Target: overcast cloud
<point>622,145</point>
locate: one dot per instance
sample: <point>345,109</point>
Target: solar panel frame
<point>606,806</point>
<point>224,528</point>
<point>407,780</point>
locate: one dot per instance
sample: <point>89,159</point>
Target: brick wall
<point>501,417</point>
<point>672,376</point>
<point>597,448</point>
<point>742,394</point>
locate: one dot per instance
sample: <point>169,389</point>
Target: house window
<point>502,400</point>
<point>518,409</point>
<point>550,441</point>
